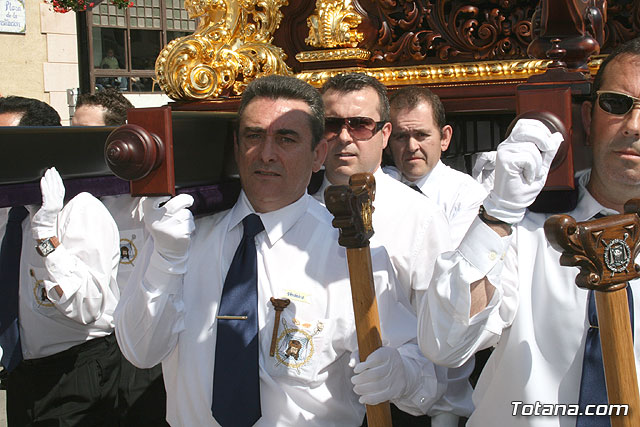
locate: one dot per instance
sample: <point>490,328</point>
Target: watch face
<point>45,247</point>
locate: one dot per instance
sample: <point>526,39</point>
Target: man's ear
<point>587,110</point>
<point>445,138</point>
<point>319,154</point>
<point>386,133</point>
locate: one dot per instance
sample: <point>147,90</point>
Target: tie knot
<point>252,225</point>
<point>17,214</point>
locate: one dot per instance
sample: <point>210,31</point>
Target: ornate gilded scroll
<point>230,47</point>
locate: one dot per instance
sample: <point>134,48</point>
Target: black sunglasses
<point>360,128</point>
<point>616,103</point>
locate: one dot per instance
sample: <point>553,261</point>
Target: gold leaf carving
<point>230,47</point>
<point>333,24</point>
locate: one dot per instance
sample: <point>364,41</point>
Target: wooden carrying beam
<point>352,208</point>
<point>164,149</point>
<point>604,249</point>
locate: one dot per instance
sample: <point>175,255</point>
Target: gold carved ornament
<point>231,47</point>
<point>334,25</point>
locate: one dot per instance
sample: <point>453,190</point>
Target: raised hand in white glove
<point>522,164</point>
<point>43,224</point>
<point>170,225</point>
<point>381,377</point>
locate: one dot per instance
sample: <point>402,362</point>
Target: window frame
<point>127,71</point>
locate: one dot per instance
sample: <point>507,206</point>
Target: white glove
<point>522,165</point>
<point>170,225</point>
<point>43,224</point>
<point>381,377</point>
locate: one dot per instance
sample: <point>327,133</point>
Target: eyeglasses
<point>360,128</point>
<point>616,103</point>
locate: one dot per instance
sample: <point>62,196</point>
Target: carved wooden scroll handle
<point>352,207</point>
<point>604,249</point>
<point>132,152</point>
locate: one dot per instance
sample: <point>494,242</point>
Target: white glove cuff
<point>164,275</point>
<point>43,231</point>
<point>502,209</point>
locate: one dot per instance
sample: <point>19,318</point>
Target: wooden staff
<point>605,249</point>
<point>352,208</point>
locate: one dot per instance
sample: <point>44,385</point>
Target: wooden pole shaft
<point>618,355</point>
<point>365,310</point>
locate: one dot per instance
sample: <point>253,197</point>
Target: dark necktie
<point>236,383</point>
<point>415,187</point>
<point>9,281</point>
<point>593,389</point>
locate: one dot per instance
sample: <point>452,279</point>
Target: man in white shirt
<point>141,393</point>
<point>68,364</point>
<point>409,226</point>
<point>418,138</point>
<point>504,285</point>
<point>173,313</point>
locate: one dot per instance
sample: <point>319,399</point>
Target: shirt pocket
<point>303,349</point>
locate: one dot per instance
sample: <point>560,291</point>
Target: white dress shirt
<point>84,266</point>
<point>127,213</point>
<point>412,229</point>
<point>457,193</point>
<point>170,318</point>
<point>460,197</point>
<point>536,318</point>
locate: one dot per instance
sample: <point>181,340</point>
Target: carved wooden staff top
<point>352,207</point>
<point>605,250</point>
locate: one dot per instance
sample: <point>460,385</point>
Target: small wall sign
<point>13,16</point>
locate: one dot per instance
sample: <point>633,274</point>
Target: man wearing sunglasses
<point>504,285</point>
<point>411,228</point>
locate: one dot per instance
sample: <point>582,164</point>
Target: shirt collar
<point>276,223</point>
<point>421,182</point>
<point>378,175</point>
<point>587,207</point>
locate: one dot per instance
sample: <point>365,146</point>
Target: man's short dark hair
<point>286,87</point>
<point>631,47</point>
<point>352,82</point>
<point>34,112</point>
<point>408,98</point>
<point>115,104</point>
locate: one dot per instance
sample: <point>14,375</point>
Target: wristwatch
<point>46,246</point>
<point>482,213</point>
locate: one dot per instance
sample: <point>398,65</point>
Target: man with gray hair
<point>207,310</point>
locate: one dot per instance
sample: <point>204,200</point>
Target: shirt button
<point>493,256</point>
<point>422,399</point>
